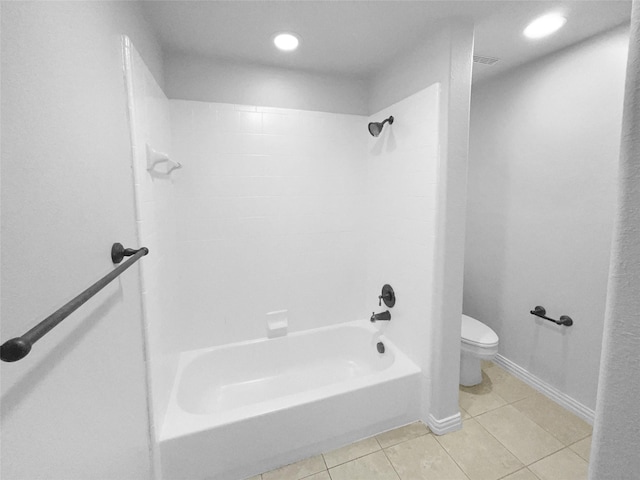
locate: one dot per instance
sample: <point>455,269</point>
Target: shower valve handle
<point>388,296</point>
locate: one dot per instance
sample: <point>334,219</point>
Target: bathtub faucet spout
<point>375,317</point>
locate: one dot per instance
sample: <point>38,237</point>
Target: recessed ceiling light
<point>286,42</point>
<point>545,25</point>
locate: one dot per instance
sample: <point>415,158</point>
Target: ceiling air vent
<point>484,60</point>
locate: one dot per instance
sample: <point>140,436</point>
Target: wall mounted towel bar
<point>17,348</point>
<point>542,313</point>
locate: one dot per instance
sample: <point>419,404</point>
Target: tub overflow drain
<point>380,347</point>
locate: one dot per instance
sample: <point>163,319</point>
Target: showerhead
<point>375,127</point>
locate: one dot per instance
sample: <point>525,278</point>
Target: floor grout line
<point>487,411</point>
<point>503,446</point>
<point>525,466</point>
<point>591,434</point>
<point>547,456</point>
<point>451,457</point>
<point>351,459</point>
<point>324,460</point>
<point>513,473</point>
<point>380,447</point>
<point>541,426</point>
<point>527,416</point>
<point>513,453</point>
<point>578,441</point>
<point>378,442</point>
<point>311,475</point>
<point>391,463</point>
<point>405,441</point>
<point>508,449</point>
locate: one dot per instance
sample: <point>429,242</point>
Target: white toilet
<point>478,342</point>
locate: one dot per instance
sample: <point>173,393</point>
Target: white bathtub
<point>245,408</point>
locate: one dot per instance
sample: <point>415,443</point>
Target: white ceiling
<point>357,38</point>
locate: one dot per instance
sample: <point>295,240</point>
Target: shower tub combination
<point>245,408</point>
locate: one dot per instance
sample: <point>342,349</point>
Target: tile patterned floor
<point>510,432</point>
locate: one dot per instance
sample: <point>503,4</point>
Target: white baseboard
<point>543,387</point>
<point>445,425</point>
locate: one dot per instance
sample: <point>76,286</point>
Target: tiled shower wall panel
<point>155,218</point>
<point>269,216</point>
<point>401,214</point>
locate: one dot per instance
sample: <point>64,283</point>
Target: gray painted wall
<point>190,77</point>
<point>76,407</point>
<point>542,167</point>
<point>411,72</point>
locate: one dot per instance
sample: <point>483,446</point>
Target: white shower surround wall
<point>330,382</point>
<point>269,217</point>
<point>295,210</point>
<point>149,125</point>
<point>402,186</point>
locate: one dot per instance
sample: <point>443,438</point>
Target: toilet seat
<point>477,334</point>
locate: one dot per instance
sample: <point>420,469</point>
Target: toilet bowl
<point>478,342</point>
